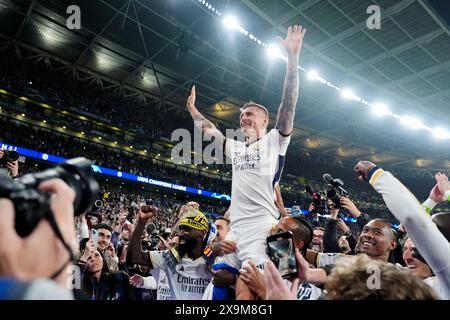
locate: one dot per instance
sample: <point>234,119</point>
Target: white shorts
<point>251,244</point>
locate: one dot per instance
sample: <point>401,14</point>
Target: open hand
<point>442,185</point>
<point>294,39</point>
<point>191,100</point>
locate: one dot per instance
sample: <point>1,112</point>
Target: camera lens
<point>77,173</point>
<point>11,156</point>
<point>331,194</point>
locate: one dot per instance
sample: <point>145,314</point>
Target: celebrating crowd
<point>127,245</point>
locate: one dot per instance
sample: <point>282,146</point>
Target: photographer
<point>330,239</point>
<point>27,264</point>
<point>12,166</point>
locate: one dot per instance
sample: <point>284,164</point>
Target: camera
<point>9,156</point>
<point>335,190</point>
<point>319,200</point>
<point>31,205</point>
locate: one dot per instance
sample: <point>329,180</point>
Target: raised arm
<point>293,46</point>
<point>207,127</point>
<point>135,255</point>
<point>430,242</point>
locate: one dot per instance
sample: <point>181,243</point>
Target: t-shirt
<point>308,291</point>
<point>256,169</point>
<point>162,289</point>
<point>187,279</point>
<point>325,259</point>
<point>435,284</point>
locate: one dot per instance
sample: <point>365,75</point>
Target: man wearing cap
<point>186,265</point>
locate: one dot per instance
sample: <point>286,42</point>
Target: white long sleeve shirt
<point>427,238</point>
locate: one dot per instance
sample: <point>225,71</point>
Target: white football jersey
<point>162,290</point>
<point>256,169</point>
<point>187,279</point>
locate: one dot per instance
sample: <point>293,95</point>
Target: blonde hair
<point>254,104</point>
<point>351,280</point>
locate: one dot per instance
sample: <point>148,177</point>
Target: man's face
<point>343,244</point>
<point>317,240</point>
<point>288,224</point>
<point>376,239</point>
<point>190,237</point>
<point>95,262</point>
<point>252,121</point>
<point>222,229</point>
<point>125,235</point>
<point>104,238</point>
<point>415,267</point>
<point>122,217</point>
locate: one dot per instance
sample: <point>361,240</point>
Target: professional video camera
<point>9,156</point>
<point>153,240</point>
<point>31,205</point>
<point>319,200</point>
<point>335,190</point>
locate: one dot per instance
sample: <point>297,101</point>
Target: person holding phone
<point>301,232</point>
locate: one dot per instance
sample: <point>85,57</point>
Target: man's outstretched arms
<point>207,127</point>
<point>293,46</point>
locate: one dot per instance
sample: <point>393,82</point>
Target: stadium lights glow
<point>411,122</point>
<point>23,114</point>
<point>44,121</point>
<point>313,75</point>
<point>441,133</point>
<point>230,22</point>
<point>380,109</point>
<point>274,51</point>
<point>347,94</point>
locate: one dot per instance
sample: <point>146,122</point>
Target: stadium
<point>328,101</point>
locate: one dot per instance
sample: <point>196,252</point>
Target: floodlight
<point>231,22</point>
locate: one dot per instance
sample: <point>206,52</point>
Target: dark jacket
<point>330,238</point>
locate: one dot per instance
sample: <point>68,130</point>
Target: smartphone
<point>281,251</point>
<point>94,236</point>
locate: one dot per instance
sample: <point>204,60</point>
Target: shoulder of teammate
<point>161,259</point>
<point>325,259</point>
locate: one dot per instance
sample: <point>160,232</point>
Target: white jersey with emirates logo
<point>256,169</point>
<point>187,279</point>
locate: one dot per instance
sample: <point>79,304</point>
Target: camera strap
<point>51,219</point>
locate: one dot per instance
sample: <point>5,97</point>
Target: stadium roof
<point>159,48</point>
